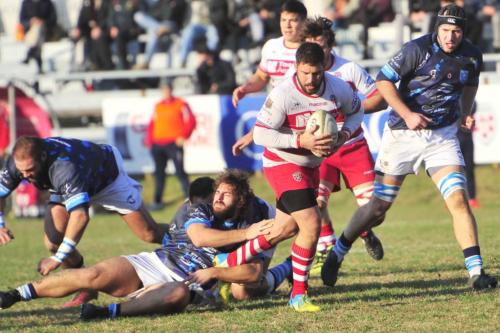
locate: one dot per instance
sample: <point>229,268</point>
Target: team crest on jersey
<point>464,75</point>
<point>297,176</point>
<point>269,103</point>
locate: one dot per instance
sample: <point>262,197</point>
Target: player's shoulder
<point>468,49</point>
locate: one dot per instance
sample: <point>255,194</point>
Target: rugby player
<point>290,166</point>
<point>439,76</point>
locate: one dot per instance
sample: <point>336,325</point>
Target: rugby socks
<point>342,247</point>
<point>276,275</point>
<point>326,238</point>
<point>114,310</point>
<point>473,260</point>
<point>248,251</point>
<point>27,292</point>
<point>301,264</point>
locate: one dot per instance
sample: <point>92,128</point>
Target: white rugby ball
<point>327,125</point>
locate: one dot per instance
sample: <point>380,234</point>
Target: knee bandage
<point>324,193</point>
<point>363,195</point>
<point>450,183</point>
<point>385,192</point>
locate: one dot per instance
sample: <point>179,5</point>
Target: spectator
<point>248,21</point>
<point>159,18</point>
<point>199,27</point>
<point>171,125</point>
<point>38,17</point>
<point>123,29</point>
<point>92,28</point>
<point>215,76</point>
<point>269,13</point>
<point>492,9</point>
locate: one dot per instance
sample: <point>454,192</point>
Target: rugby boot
<point>373,245</point>
<point>90,311</point>
<point>301,303</point>
<point>81,297</point>
<point>330,269</point>
<point>482,281</point>
<point>320,260</point>
<point>224,292</point>
<point>9,298</point>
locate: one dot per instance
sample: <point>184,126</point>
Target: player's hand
<point>318,144</point>
<point>417,121</point>
<point>243,142</point>
<point>201,276</point>
<point>47,265</point>
<point>260,228</point>
<point>238,94</point>
<point>6,236</point>
<point>468,123</point>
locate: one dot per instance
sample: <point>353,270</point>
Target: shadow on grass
<point>21,319</point>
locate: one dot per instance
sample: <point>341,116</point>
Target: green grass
<point>420,285</point>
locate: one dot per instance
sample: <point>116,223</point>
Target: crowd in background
<point>114,33</point>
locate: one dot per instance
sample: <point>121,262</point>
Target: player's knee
<point>457,203</point>
<point>90,277</point>
<point>378,209</point>
<point>177,298</point>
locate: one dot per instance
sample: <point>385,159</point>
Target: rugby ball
<point>327,125</point>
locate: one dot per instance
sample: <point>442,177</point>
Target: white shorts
<point>151,270</point>
<point>403,151</point>
<point>122,196</point>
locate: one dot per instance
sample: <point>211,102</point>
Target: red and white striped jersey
<point>285,114</point>
<point>276,60</point>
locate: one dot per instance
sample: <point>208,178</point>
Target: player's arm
<point>9,180</point>
<point>353,112</point>
<point>374,103</point>
<point>467,101</point>
<point>243,142</point>
<point>246,273</point>
<point>256,83</point>
<point>203,235</point>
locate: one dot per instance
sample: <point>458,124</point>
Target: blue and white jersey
<point>181,256</point>
<point>431,81</point>
<point>74,169</point>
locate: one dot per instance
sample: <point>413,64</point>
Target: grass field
<point>420,285</point>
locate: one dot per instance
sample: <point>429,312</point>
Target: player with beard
<point>438,77</point>
<point>76,173</point>
<point>168,279</point>
<point>290,166</point>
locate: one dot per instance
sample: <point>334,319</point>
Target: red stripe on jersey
<point>373,93</point>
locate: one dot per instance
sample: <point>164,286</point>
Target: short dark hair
<point>296,7</point>
<point>319,26</point>
<point>201,187</point>
<point>239,180</point>
<point>310,53</point>
<point>28,147</point>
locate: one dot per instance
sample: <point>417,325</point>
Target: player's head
<point>292,16</point>
<point>201,190</point>
<point>29,156</point>
<point>310,67</point>
<point>319,31</point>
<point>232,193</point>
<point>450,27</point>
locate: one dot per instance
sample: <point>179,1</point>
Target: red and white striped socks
<point>326,238</point>
<point>302,260</point>
<point>248,251</point>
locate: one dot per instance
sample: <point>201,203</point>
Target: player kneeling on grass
<point>439,76</point>
<point>168,279</point>
<point>77,173</point>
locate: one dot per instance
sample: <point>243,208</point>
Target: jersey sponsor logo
<point>269,103</point>
<point>297,176</point>
<point>318,104</point>
<point>276,66</point>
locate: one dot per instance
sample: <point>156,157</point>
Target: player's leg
<point>144,226</point>
<point>386,189</point>
<point>115,276</point>
<point>451,182</point>
<point>171,297</point>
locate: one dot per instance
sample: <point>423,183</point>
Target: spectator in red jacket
<point>171,125</point>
